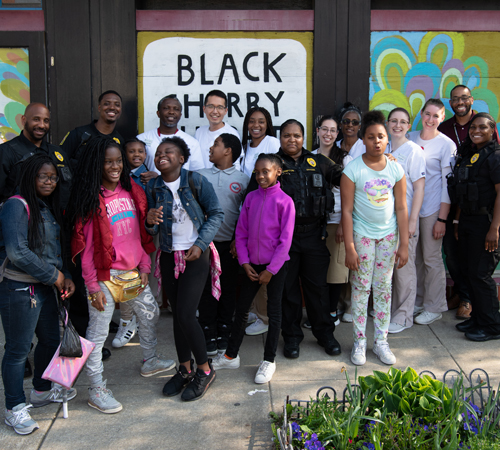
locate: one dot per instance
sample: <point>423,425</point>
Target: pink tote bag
<point>64,370</point>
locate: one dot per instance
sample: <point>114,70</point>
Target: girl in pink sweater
<point>263,239</point>
<point>109,211</point>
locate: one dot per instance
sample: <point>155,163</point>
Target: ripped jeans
<point>145,308</point>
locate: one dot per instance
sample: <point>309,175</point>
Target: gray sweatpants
<point>147,312</point>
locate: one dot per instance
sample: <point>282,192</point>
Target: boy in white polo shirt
<point>215,109</point>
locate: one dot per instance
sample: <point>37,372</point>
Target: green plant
<point>407,393</point>
<point>481,443</point>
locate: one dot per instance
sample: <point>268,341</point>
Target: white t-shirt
<point>152,139</point>
<point>438,154</point>
<point>412,159</point>
<point>184,233</point>
<point>336,215</point>
<point>247,159</point>
<point>206,139</point>
<point>356,150</point>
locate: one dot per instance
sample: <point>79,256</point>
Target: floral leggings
<point>375,271</point>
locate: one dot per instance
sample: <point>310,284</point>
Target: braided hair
<point>84,198</point>
<point>269,125</point>
<point>27,190</point>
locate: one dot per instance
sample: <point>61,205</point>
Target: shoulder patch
<point>311,162</point>
<point>116,140</point>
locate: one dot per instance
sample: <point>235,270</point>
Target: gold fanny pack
<point>124,287</point>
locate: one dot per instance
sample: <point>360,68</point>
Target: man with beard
<point>36,125</point>
<point>169,112</point>
<point>457,129</point>
<point>110,110</point>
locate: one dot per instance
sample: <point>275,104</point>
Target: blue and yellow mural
<point>407,68</point>
<point>14,90</point>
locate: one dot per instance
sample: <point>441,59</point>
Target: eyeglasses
<point>396,121</point>
<point>464,98</point>
<point>219,108</point>
<point>43,177</point>
<point>326,130</point>
<point>349,121</point>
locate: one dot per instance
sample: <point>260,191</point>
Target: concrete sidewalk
<point>228,417</point>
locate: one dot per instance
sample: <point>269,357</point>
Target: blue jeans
<point>20,322</point>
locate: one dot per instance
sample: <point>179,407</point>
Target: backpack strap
<point>24,202</point>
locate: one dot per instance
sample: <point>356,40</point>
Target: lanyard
<point>456,134</point>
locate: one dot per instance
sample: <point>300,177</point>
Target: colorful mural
<point>408,68</point>
<point>14,90</point>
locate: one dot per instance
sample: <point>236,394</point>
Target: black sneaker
<point>223,332</point>
<point>175,385</point>
<point>199,384</point>
<point>211,341</point>
<point>222,342</point>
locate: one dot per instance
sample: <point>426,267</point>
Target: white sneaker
<point>265,372</point>
<point>427,318</point>
<point>417,310</point>
<point>252,317</point>
<point>358,353</point>
<point>396,328</point>
<point>221,362</point>
<point>258,327</point>
<point>126,331</point>
<point>347,318</point>
<point>336,318</point>
<point>383,352</point>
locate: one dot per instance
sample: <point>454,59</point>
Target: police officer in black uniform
<point>110,109</point>
<point>36,125</point>
<point>475,186</point>
<point>308,179</point>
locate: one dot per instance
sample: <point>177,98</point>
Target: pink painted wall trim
<point>225,20</point>
<point>22,21</point>
<point>427,20</point>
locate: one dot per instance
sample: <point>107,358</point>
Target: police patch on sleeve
<point>59,156</point>
<point>311,162</point>
<point>116,140</point>
<point>474,158</point>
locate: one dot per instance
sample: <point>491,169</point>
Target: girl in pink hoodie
<point>263,239</point>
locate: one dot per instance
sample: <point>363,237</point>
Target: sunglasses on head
<point>349,121</point>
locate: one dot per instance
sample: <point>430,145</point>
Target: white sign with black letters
<point>270,73</point>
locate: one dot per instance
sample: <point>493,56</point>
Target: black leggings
<point>184,296</point>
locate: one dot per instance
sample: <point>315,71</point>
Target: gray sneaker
<point>19,418</point>
<point>102,399</point>
<point>55,395</point>
<point>156,365</point>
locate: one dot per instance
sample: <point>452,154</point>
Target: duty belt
<point>483,211</point>
<point>307,227</point>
